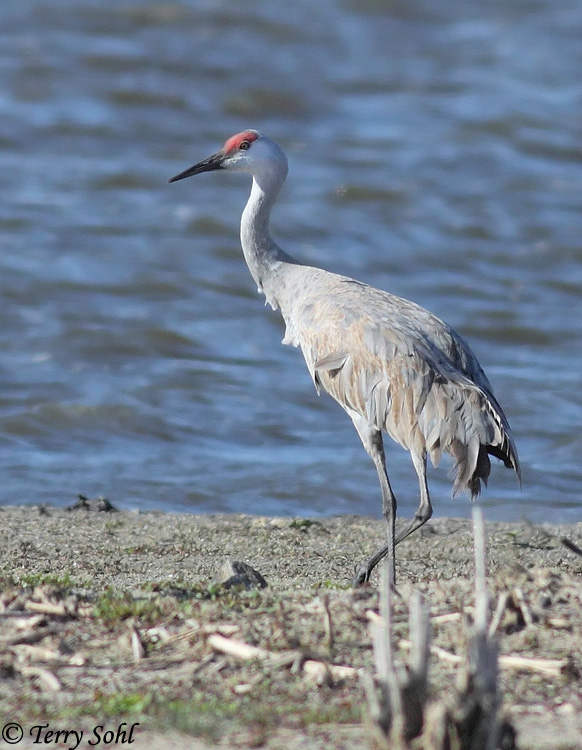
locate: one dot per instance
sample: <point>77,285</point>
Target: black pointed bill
<point>208,165</point>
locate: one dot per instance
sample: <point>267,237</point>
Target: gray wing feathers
<point>408,373</point>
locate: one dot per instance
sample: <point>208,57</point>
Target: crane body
<point>390,364</point>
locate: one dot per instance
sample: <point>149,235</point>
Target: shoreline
<point>127,601</point>
<point>196,546</point>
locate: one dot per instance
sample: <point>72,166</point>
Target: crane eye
<point>244,145</point>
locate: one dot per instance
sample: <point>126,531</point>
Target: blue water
<point>435,151</point>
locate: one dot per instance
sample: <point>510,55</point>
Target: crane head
<point>247,151</point>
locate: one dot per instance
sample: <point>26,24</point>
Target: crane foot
<point>362,575</point>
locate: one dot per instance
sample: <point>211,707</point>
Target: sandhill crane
<point>392,365</point>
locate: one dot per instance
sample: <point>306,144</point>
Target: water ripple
<point>434,151</point>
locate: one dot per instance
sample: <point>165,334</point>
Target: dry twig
<point>401,716</point>
<point>315,669</point>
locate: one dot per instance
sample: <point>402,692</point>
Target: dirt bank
<point>108,618</point>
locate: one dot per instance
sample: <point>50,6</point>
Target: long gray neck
<point>263,256</point>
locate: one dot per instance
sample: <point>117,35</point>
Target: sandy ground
<point>108,618</point>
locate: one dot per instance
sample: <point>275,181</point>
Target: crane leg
<point>373,443</point>
<point>424,510</point>
<point>422,515</point>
